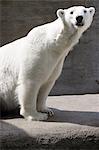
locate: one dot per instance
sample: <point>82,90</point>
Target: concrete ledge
<point>75,125</point>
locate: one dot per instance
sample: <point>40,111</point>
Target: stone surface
<point>81,69</point>
<point>75,126</point>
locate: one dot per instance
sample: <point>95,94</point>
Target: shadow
<point>76,117</point>
<point>5,113</point>
<point>10,114</point>
<point>12,137</point>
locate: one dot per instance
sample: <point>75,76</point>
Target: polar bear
<point>30,66</point>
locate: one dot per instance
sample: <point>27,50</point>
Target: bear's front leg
<point>46,88</point>
<point>42,97</point>
<point>27,94</point>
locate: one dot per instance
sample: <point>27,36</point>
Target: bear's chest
<point>62,44</point>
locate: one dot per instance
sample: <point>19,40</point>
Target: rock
<point>75,125</point>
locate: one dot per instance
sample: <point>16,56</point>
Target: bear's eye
<point>90,11</point>
<point>71,12</point>
<point>85,11</point>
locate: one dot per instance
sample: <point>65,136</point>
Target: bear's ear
<point>60,13</point>
<point>92,10</point>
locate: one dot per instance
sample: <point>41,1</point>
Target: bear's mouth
<point>79,24</point>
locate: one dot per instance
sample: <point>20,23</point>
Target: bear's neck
<point>65,37</point>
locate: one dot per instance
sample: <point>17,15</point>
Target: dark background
<point>81,69</point>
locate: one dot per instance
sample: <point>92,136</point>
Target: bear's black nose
<point>79,19</point>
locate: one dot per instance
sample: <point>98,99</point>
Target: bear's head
<point>78,16</point>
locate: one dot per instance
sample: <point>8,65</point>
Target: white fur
<point>30,66</point>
